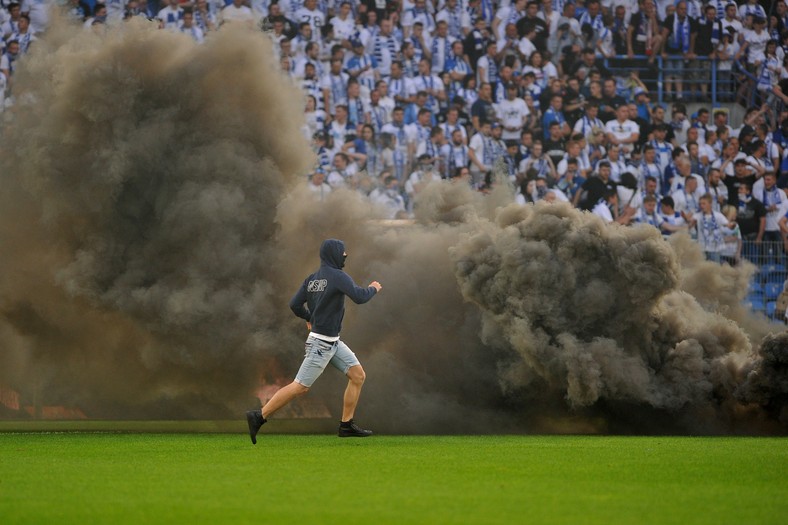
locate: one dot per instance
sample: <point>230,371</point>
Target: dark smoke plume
<point>143,175</point>
<point>155,224</point>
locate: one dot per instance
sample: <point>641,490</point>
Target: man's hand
<point>309,326</point>
<point>376,285</point>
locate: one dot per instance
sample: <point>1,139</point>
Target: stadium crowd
<point>555,97</point>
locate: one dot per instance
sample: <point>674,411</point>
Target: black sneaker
<point>256,420</point>
<point>350,429</point>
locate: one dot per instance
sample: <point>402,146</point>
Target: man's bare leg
<point>347,428</point>
<point>356,378</point>
<point>282,397</point>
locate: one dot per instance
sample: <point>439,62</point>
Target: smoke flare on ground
<point>154,229</point>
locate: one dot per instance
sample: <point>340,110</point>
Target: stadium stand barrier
<point>723,85</point>
<point>766,292</point>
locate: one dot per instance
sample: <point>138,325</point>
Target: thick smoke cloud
<point>143,175</point>
<point>155,223</point>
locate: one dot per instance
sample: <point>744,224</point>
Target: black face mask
<point>344,258</point>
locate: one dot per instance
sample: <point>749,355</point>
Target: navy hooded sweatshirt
<point>324,292</point>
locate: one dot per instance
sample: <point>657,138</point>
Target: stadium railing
<point>768,283</point>
<point>723,84</point>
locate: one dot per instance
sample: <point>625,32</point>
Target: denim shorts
<point>318,354</point>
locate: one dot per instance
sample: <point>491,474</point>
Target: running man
<point>321,302</point>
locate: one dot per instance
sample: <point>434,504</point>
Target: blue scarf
<point>446,51</point>
<point>681,34</point>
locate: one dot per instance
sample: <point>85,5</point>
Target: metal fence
<point>720,81</point>
<point>769,282</point>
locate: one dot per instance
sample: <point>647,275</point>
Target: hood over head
<point>331,253</point>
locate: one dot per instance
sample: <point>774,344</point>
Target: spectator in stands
<point>358,109</point>
<point>341,171</point>
<point>187,26</point>
<point>611,100</point>
<point>389,198</point>
<point>512,113</point>
<point>455,154</point>
<point>775,203</point>
<point>452,124</point>
<point>11,25</point>
<point>317,184</point>
<point>571,180</point>
<point>731,250</point>
<point>622,131</point>
<point>385,47</point>
<point>753,43</point>
<point>425,173</point>
<point>673,221</point>
<point>554,114</point>
<point>457,67</point>
<point>707,40</point>
<point>362,66</point>
<point>310,14</point>
<point>24,34</point>
<point>538,163</point>
<point>8,64</point>
<point>483,109</point>
<point>605,208</point>
<point>344,23</point>
<point>758,161</point>
<point>678,36</point>
<point>647,214</point>
<point>171,15</point>
<point>751,216</point>
<point>508,14</point>
<point>712,227</point>
<point>481,153</point>
<point>431,85</point>
<point>440,49</point>
<point>334,85</point>
<point>717,190</point>
<point>532,22</point>
<point>417,14</point>
<point>750,11</point>
<point>404,134</point>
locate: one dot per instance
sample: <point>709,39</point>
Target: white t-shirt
<point>419,176</point>
<point>622,130</point>
<point>511,114</point>
<point>343,29</point>
<point>316,20</point>
<point>477,145</point>
<point>686,202</point>
<point>526,47</point>
<point>170,17</point>
<point>601,210</point>
<point>232,14</point>
<point>710,233</point>
<point>677,184</point>
<point>756,44</point>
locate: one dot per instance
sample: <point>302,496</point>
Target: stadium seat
<point>755,288</point>
<point>756,305</point>
<point>772,277</point>
<point>771,307</point>
<point>754,297</point>
<point>772,290</point>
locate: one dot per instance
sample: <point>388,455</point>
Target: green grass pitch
<point>221,478</point>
